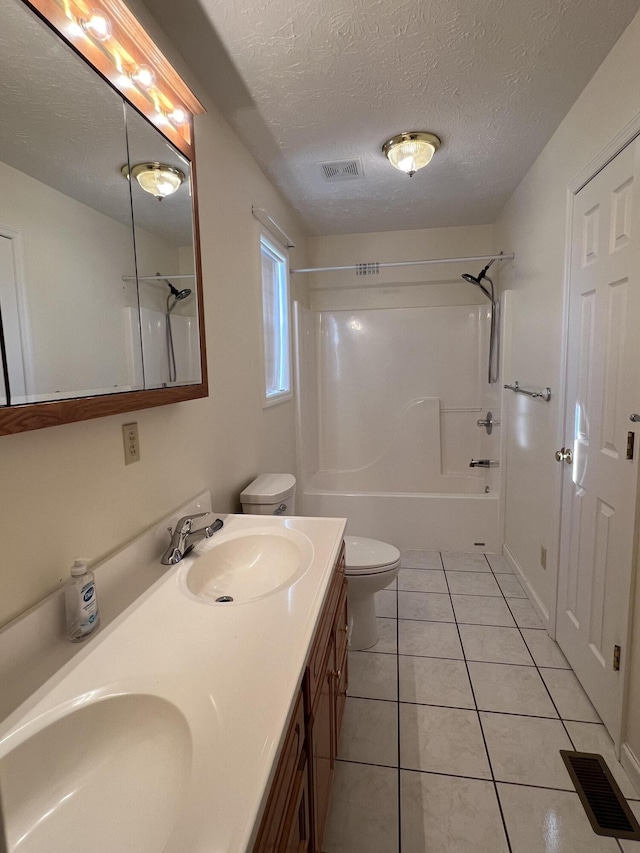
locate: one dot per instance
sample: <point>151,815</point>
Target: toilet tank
<point>270,494</point>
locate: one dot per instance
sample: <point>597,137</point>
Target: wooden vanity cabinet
<point>296,811</point>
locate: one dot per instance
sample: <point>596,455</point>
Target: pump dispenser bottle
<point>81,602</point>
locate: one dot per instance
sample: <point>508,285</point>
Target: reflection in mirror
<point>165,261</point>
<point>70,321</point>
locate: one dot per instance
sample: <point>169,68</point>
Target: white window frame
<point>279,254</point>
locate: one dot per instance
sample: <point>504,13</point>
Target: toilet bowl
<point>370,565</point>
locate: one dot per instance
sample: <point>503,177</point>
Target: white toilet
<point>370,565</point>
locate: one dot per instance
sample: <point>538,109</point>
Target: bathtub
<point>459,517</point>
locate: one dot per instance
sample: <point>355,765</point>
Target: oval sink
<point>249,566</point>
<point>118,767</point>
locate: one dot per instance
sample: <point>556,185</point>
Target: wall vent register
<point>605,806</point>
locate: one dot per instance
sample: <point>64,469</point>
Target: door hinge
<point>616,658</point>
<point>631,438</point>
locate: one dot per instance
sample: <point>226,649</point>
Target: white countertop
<point>232,670</point>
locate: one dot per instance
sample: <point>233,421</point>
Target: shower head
<point>472,279</point>
<point>177,294</point>
<point>180,294</point>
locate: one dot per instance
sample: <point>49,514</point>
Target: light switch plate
<point>131,443</point>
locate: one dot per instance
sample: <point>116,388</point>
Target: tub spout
<point>483,463</point>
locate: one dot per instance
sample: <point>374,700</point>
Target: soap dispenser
<point>81,602</point>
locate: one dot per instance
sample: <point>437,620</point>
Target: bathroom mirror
<point>100,293</point>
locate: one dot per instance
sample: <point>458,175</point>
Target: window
<point>275,319</point>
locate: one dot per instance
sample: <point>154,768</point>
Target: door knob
<point>634,418</point>
<point>564,455</point>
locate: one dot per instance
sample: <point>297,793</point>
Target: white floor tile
<point>482,610</point>
<point>425,605</point>
<point>571,700</point>
<point>445,814</point>
<point>511,586</point>
<point>369,732</point>
<point>499,564</point>
<point>524,614</point>
<point>544,650</point>
<point>420,560</point>
<point>373,676</point>
<point>494,645</point>
<point>422,580</point>
<point>459,562</point>
<point>434,681</point>
<point>593,737</point>
<point>430,639</point>
<point>387,636</point>
<point>540,821</point>
<point>386,603</point>
<point>473,583</point>
<point>363,815</point>
<point>510,689</point>
<point>442,740</point>
<point>526,749</point>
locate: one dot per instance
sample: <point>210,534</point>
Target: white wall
<point>532,225</point>
<point>399,287</point>
<point>66,491</point>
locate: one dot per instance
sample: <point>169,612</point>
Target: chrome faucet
<point>183,538</point>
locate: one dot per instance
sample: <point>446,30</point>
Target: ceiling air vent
<point>342,170</point>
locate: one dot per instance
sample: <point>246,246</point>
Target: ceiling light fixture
<point>411,150</point>
<point>158,179</point>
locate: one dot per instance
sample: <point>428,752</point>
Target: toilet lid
<point>367,556</point>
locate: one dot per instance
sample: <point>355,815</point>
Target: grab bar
<point>545,394</point>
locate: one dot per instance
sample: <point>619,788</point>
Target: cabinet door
<point>323,747</point>
<point>272,828</point>
<point>298,838</point>
<point>341,626</point>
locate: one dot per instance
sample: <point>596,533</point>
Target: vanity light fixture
<point>158,179</point>
<point>106,34</point>
<point>411,150</point>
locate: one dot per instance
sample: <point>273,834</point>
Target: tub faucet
<point>483,463</point>
<point>183,538</point>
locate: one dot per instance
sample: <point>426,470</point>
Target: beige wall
<point>533,225</point>
<point>66,491</point>
<point>436,284</point>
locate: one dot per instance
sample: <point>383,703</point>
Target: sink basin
<point>107,776</point>
<point>249,566</point>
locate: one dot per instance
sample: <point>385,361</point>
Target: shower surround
<point>388,404</point>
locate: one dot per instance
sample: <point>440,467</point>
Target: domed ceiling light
<point>158,179</point>
<point>411,151</point>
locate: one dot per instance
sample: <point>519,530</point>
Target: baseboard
<point>631,765</point>
<point>532,595</point>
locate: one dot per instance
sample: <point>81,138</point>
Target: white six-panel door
<point>603,390</point>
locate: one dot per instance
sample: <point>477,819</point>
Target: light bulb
<point>179,116</point>
<point>97,26</point>
<point>143,77</point>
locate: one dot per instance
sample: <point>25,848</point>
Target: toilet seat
<point>369,556</point>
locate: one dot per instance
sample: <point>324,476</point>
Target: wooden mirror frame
<point>130,46</point>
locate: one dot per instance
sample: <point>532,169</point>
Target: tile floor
<point>454,721</point>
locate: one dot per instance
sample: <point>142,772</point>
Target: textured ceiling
<point>309,82</point>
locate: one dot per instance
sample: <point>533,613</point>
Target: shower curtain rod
<point>501,257</point>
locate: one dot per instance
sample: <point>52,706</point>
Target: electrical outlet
<point>543,557</point>
<point>131,443</point>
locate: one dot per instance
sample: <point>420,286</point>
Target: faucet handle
<point>183,525</point>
